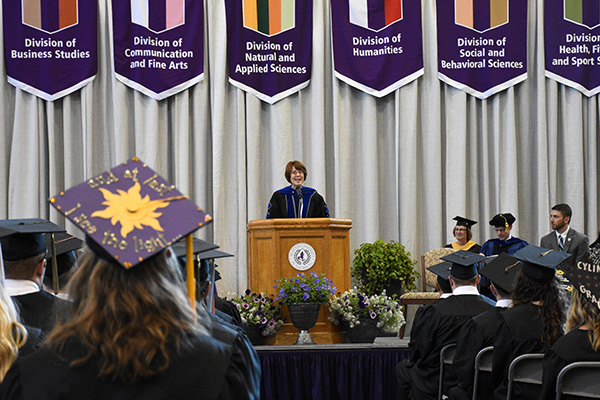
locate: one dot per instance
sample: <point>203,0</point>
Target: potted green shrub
<point>382,266</point>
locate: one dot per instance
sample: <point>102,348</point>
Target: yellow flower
<point>130,209</point>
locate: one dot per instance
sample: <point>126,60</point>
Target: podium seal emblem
<point>302,256</point>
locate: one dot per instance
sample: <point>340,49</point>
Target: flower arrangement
<point>351,305</point>
<point>259,310</point>
<point>311,288</point>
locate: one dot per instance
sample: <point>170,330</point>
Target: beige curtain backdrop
<point>400,167</point>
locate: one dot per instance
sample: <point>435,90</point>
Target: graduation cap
<point>464,263</point>
<point>502,270</point>
<point>27,239</point>
<point>130,213</point>
<point>585,278</point>
<point>442,269</point>
<point>65,246</point>
<point>461,221</point>
<point>503,221</point>
<point>539,262</point>
<point>5,232</point>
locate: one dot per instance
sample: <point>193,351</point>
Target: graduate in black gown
<point>436,325</point>
<point>582,341</point>
<point>479,332</point>
<point>464,236</point>
<point>25,265</point>
<point>297,201</point>
<point>130,331</point>
<point>534,322</point>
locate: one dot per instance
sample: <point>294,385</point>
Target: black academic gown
<point>284,204</point>
<point>217,368</point>
<point>475,335</point>
<point>38,309</point>
<point>519,332</point>
<point>33,342</point>
<point>435,325</point>
<point>574,346</point>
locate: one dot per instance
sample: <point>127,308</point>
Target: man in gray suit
<point>564,238</point>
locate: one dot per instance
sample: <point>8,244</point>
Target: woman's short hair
<point>132,321</point>
<point>469,233</point>
<point>299,167</point>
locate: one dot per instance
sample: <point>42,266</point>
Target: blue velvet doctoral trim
<point>515,245</point>
<point>291,198</point>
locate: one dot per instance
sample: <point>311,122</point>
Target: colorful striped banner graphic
<point>481,15</point>
<point>583,12</point>
<point>375,14</point>
<point>269,17</point>
<point>158,15</point>
<point>50,15</point>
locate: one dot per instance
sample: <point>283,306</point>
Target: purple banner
<point>572,43</point>
<point>159,45</point>
<point>269,46</point>
<point>50,47</point>
<point>377,44</point>
<point>482,44</point>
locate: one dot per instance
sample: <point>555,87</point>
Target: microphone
<point>299,191</point>
<point>299,194</point>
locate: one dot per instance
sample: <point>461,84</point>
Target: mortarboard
<point>442,269</point>
<point>199,246</point>
<point>539,262</point>
<point>503,221</point>
<point>28,239</point>
<point>130,213</point>
<point>461,221</point>
<point>65,246</point>
<point>585,278</point>
<point>464,264</point>
<point>502,270</point>
<point>5,232</point>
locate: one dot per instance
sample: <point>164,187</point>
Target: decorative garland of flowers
<point>311,288</point>
<point>351,305</point>
<point>258,310</point>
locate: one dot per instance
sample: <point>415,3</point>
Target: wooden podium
<point>269,245</point>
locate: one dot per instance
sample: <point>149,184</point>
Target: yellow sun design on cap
<point>131,210</point>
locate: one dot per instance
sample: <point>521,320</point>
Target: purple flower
<point>247,292</point>
<point>373,315</point>
<point>246,306</point>
<point>271,324</point>
<point>305,296</point>
<point>263,321</point>
<point>361,304</point>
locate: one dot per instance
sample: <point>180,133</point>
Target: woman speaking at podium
<point>296,201</point>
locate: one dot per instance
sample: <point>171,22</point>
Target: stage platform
<point>331,371</point>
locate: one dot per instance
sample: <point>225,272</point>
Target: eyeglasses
<point>460,230</point>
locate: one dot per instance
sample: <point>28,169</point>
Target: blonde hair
<point>582,312</point>
<point>12,334</point>
<point>132,321</point>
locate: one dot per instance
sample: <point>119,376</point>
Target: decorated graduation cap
<point>27,239</point>
<point>503,221</point>
<point>502,270</point>
<point>464,264</point>
<point>585,278</point>
<point>131,213</point>
<point>539,262</point>
<point>66,258</point>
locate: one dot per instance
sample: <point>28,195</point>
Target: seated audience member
<point>582,341</point>
<point>297,201</point>
<point>15,338</point>
<point>436,325</point>
<point>534,322</point>
<point>479,332</point>
<point>24,264</point>
<point>130,331</point>
<point>66,262</point>
<point>462,233</point>
<point>564,238</point>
